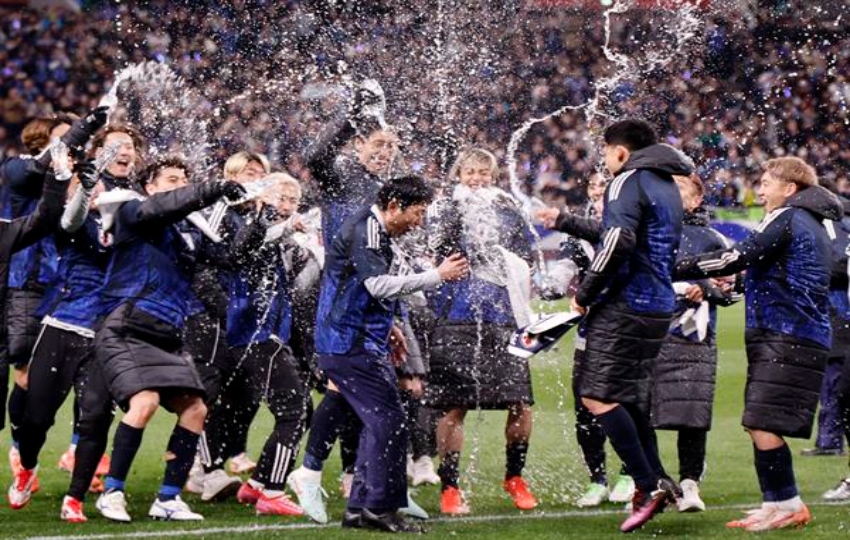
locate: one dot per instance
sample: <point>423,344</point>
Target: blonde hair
<point>284,180</point>
<point>793,170</point>
<point>479,155</point>
<point>236,163</point>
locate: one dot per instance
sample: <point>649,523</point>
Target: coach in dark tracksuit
<point>788,333</point>
<point>628,298</point>
<point>357,303</point>
<point>347,184</point>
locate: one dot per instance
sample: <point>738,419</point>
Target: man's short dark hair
<point>153,170</point>
<point>632,133</point>
<point>406,191</point>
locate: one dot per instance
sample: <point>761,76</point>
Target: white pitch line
<point>245,529</point>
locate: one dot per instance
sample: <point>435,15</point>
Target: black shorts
<point>136,351</point>
<point>615,350</point>
<point>784,376</point>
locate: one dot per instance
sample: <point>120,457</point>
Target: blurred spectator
<point>754,84</point>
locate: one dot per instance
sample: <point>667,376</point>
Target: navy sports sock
<point>125,445</point>
<point>620,428</point>
<point>449,470</point>
<point>775,470</point>
<point>515,454</point>
<point>181,453</point>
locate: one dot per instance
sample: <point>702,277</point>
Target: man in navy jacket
<point>788,335</point>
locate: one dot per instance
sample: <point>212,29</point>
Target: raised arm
<point>322,152</point>
<point>45,218</point>
<point>172,206</point>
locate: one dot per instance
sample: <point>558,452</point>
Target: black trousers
<point>231,413</point>
<point>96,411</point>
<point>275,376</point>
<point>60,361</point>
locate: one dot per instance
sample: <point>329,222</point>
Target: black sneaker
<point>352,520</point>
<point>392,522</point>
<point>673,490</point>
<point>817,451</point>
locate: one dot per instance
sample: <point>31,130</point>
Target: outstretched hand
<point>548,216</point>
<point>453,268</point>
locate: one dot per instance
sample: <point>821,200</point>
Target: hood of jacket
<point>660,157</point>
<point>819,201</point>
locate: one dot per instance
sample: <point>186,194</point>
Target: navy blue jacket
<point>348,316</point>
<point>34,267</point>
<point>152,262</point>
<point>76,298</point>
<point>642,223</point>
<point>22,179</point>
<point>260,303</point>
<point>788,260</point>
<point>697,238</point>
<point>839,234</point>
<point>472,300</point>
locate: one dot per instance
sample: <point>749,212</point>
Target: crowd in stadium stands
<point>775,83</point>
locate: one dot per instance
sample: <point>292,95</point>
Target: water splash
<point>170,115</point>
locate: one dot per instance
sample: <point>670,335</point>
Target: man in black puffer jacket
<point>627,295</point>
<point>788,259</point>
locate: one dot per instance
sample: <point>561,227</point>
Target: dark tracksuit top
<point>788,333</point>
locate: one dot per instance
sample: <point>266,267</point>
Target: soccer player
<point>355,329</point>
<point>627,296</point>
<point>788,262</point>
<point>470,365</point>
<point>138,346</point>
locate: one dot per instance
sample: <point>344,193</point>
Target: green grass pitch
<point>555,472</point>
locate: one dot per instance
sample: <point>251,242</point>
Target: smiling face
<point>167,179</point>
<point>773,192</point>
<point>377,151</point>
<point>253,170</point>
<point>475,173</point>
<point>125,161</point>
<point>401,221</point>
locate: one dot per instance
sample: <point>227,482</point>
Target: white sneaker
<point>307,486</point>
<point>623,490</point>
<point>173,510</point>
<point>219,486</point>
<point>241,464</point>
<point>690,500</point>
<point>345,483</point>
<point>413,510</point>
<point>112,505</point>
<point>594,495</point>
<point>195,483</point>
<point>410,467</point>
<point>423,472</point>
<point>841,492</point>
